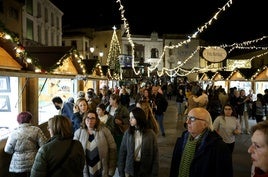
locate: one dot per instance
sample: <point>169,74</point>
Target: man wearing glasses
<point>200,151</point>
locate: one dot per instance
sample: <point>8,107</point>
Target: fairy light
<point>194,35</point>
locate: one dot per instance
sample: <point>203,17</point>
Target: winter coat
<point>23,144</point>
<point>149,161</point>
<point>106,147</point>
<point>212,157</point>
<point>51,154</point>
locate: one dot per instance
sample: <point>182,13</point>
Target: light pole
<point>91,49</point>
<point>101,55</point>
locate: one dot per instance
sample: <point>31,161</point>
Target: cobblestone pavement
<point>174,128</point>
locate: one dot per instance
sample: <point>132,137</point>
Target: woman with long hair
<point>139,154</point>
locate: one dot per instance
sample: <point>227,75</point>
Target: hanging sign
<point>214,54</point>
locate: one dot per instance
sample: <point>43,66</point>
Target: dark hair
<point>102,107</point>
<point>141,119</point>
<point>233,110</point>
<point>57,99</point>
<point>83,124</point>
<point>61,125</point>
<point>115,97</point>
<point>24,117</point>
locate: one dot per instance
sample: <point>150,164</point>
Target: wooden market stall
<point>240,78</point>
<point>220,79</point>
<point>260,79</point>
<point>27,76</point>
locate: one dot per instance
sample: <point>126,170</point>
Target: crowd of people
<point>100,135</point>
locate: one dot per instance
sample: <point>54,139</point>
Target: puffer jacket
<point>23,144</point>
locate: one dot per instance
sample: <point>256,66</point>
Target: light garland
<point>21,53</point>
<point>194,35</point>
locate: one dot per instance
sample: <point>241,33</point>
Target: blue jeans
<point>159,118</point>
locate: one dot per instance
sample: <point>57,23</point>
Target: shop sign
<point>214,54</point>
<point>232,64</point>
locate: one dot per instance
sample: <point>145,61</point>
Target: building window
<point>29,7</point>
<point>46,15</point>
<point>52,39</point>
<point>30,31</point>
<point>58,23</point>
<point>154,53</point>
<point>1,6</point>
<point>14,13</point>
<point>39,10</point>
<point>74,44</point>
<point>52,19</point>
<point>86,46</point>
<point>39,31</point>
<point>46,37</point>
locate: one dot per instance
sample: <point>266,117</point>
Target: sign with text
<point>232,64</point>
<point>214,54</point>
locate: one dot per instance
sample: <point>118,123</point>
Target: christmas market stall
<point>59,67</point>
<point>240,78</point>
<point>219,79</point>
<point>260,79</point>
<point>205,79</point>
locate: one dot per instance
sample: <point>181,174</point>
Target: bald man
<point>200,151</point>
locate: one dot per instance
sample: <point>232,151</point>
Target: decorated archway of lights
<point>179,70</point>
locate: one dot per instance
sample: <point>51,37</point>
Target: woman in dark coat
<point>61,156</point>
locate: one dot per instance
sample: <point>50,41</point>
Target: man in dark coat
<point>200,151</point>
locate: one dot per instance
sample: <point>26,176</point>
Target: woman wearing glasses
<point>258,150</point>
<point>200,151</point>
<point>227,126</point>
<point>99,146</point>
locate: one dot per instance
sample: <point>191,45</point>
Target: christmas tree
<point>114,52</point>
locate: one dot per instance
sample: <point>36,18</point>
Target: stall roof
<point>242,74</point>
<point>51,58</point>
<point>247,72</point>
<point>261,75</point>
<point>224,74</point>
<point>12,54</point>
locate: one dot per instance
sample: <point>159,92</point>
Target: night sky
<point>244,20</point>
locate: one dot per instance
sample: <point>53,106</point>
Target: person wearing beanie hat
<point>23,144</point>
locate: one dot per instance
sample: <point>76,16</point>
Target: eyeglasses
<point>91,118</point>
<point>193,119</point>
